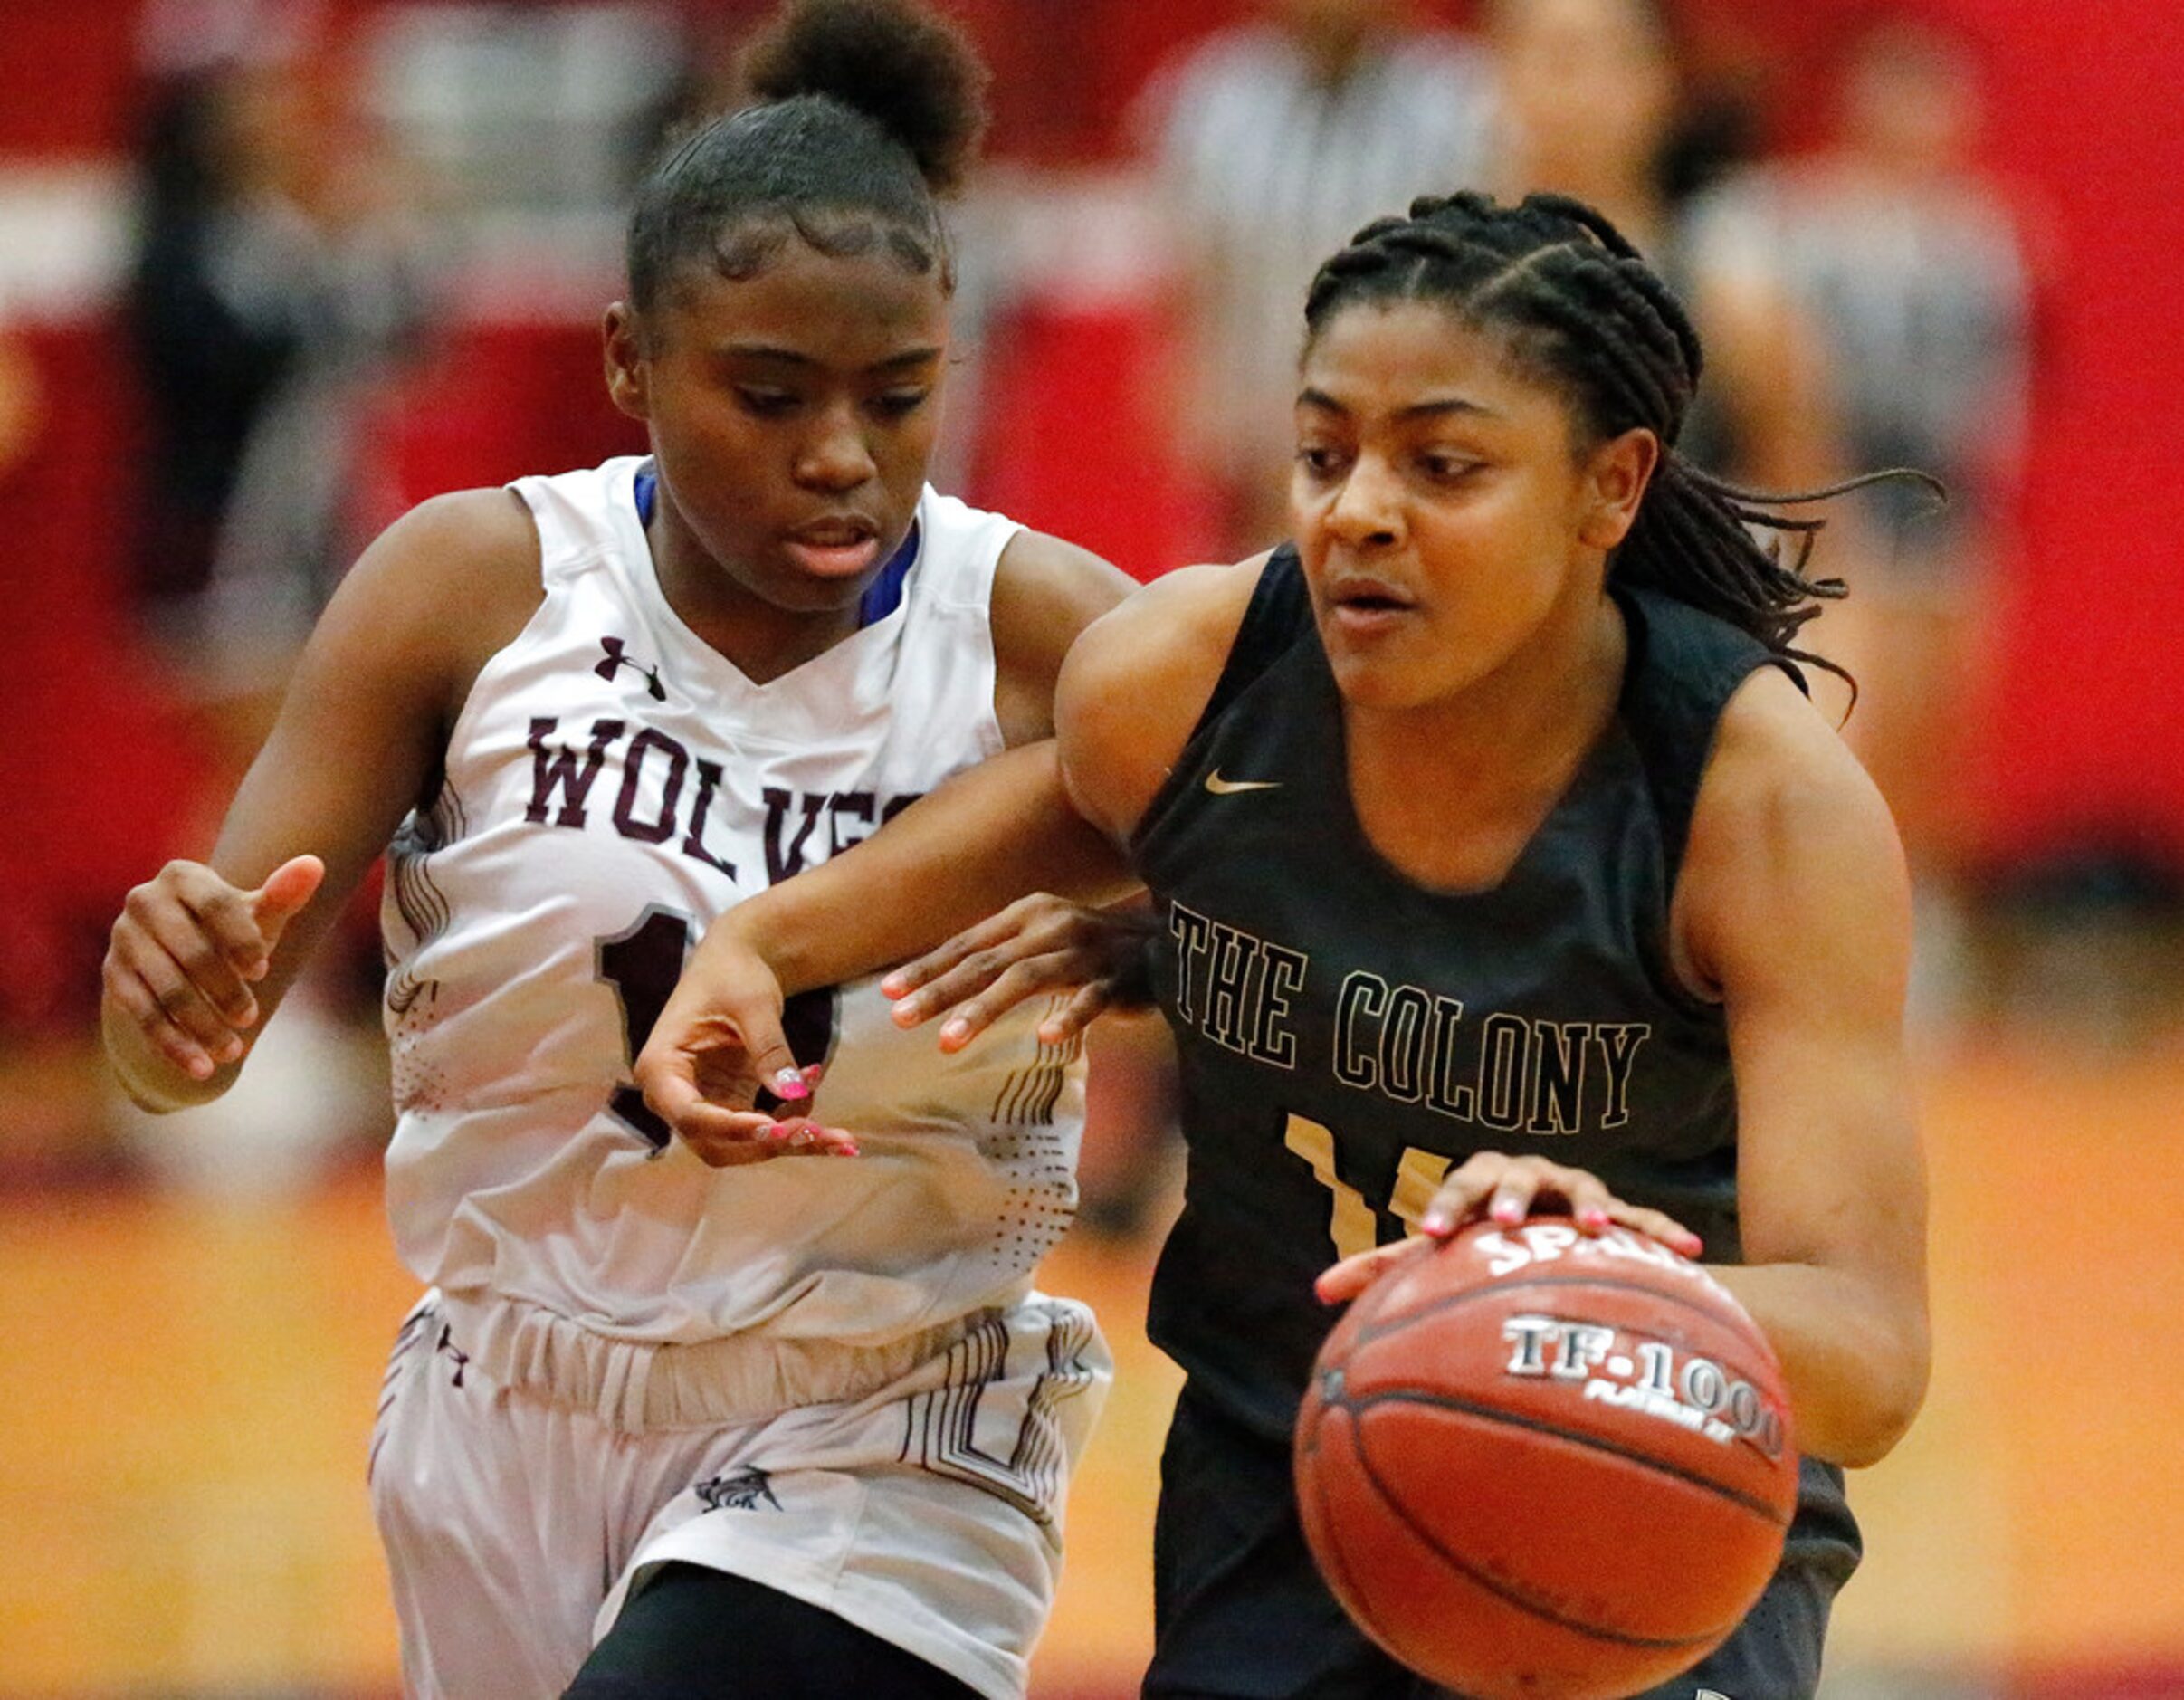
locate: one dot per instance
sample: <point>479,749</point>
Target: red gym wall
<point>2083,732</point>
<point>2082,740</point>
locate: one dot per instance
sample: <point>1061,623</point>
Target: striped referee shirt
<point>1265,171</point>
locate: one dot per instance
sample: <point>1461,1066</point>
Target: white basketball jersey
<point>612,784</point>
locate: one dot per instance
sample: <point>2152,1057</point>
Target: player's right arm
<point>203,953</point>
<point>1049,816</point>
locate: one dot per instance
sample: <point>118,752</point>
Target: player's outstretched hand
<point>186,950</point>
<point>1506,1189</point>
<point>717,1048</point>
<point>1038,945</point>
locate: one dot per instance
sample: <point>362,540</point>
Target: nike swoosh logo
<point>1220,786</point>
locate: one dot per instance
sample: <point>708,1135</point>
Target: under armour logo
<point>742,1490</point>
<point>616,660</point>
<point>1709,1694</point>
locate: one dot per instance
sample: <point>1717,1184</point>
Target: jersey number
<point>643,966</point>
<point>1354,1223</point>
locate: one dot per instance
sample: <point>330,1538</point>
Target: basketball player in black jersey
<point>1500,861</point>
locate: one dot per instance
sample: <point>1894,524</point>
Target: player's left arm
<point>1045,591</point>
<point>1794,907</point>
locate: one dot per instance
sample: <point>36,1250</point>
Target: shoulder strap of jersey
<point>575,516</point>
<point>1279,614</point>
<point>1684,666</point>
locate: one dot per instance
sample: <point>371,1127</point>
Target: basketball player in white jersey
<point>672,1421</point>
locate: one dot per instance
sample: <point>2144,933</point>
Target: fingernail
<point>200,1067</point>
<point>1592,1221</point>
<point>800,1140</point>
<point>776,1130</point>
<point>1436,1222</point>
<point>954,1032</point>
<point>1508,1214</point>
<point>231,1050</point>
<point>1693,1245</point>
<point>848,1150</point>
<point>789,1084</point>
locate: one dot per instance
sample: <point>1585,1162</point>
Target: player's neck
<point>760,640</point>
<point>1451,792</point>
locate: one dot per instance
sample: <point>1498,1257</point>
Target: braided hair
<point>865,113</point>
<point>1581,310</point>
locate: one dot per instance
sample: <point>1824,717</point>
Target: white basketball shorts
<point>922,1504</point>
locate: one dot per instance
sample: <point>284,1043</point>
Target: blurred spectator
<point>1594,105</point>
<point>272,278</point>
<point>1269,144</point>
<point>1911,267</point>
<point>276,275</point>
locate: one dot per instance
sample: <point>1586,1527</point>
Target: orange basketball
<point>1533,1464</point>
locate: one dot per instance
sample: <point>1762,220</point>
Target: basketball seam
<point>1442,1401</point>
<point>1347,1586</point>
<point>1517,1597</point>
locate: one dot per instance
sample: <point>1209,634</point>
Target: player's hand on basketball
<point>186,950</point>
<point>1040,945</point>
<point>1493,1187</point>
<point>718,1070</point>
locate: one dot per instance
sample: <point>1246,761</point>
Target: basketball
<point>1538,1466</point>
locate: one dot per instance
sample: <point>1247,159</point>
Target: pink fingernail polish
<point>789,1084</point>
<point>1509,1215</point>
<point>1436,1222</point>
<point>1592,1221</point>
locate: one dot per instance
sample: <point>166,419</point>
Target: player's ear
<point>1615,476</point>
<point>628,373</point>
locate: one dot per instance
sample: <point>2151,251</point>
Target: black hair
<point>865,112</point>
<point>1581,310</point>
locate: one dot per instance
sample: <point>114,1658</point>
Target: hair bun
<point>912,73</point>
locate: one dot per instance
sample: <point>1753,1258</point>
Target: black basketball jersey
<point>1346,1037</point>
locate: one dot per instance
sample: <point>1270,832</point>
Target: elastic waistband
<point>636,1385</point>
